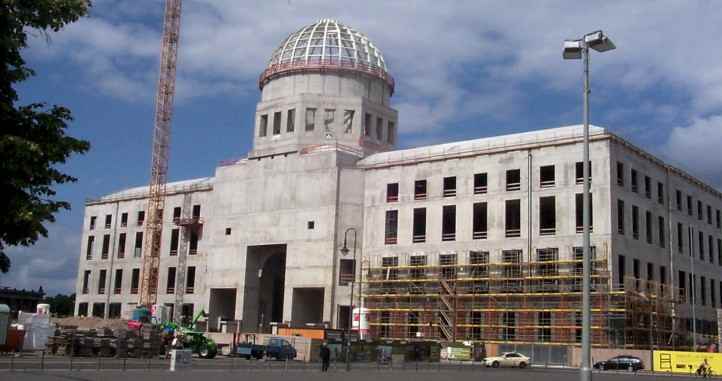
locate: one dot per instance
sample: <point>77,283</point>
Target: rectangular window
<point>709,214</point>
<point>170,281</point>
<point>379,129</point>
<point>141,218</point>
<point>418,261</point>
<point>448,223</point>
<point>579,210</point>
<point>710,248</point>
<point>392,227</point>
<point>391,133</point>
<point>718,220</point>
<point>101,281</point>
<point>92,222</point>
<point>174,235</point>
<point>700,235</point>
<point>712,294</point>
<point>89,248</point>
<point>310,119</point>
<point>99,310</point>
<point>479,221</point>
<point>118,282</point>
<point>635,222</point>
<point>291,120</point>
<point>547,266</point>
<point>636,271</point>
<point>277,123</point>
<point>648,226</point>
<point>419,225</point>
<point>480,183</point>
<point>508,323</point>
<point>420,190</point>
<point>193,244</point>
<point>124,220</point>
<point>689,205</point>
<point>579,172</point>
<point>479,261</point>
<point>329,115</point>
<point>699,211</point>
<point>650,271</point>
<point>513,218</point>
<point>196,212</point>
<point>662,229</point>
<point>682,282</point>
<point>114,310</point>
<point>512,270</point>
<point>634,181</point>
<point>544,321</point>
<point>263,126</point>
<point>663,279</point>
<point>703,290</point>
<point>106,247</point>
<point>134,281</point>
<point>121,246</point>
<point>678,196</point>
<point>513,179</point>
<point>680,238</point>
<point>176,214</point>
<point>546,176</point>
<point>392,192</point>
<point>448,266</point>
<point>647,187</point>
<point>108,220</point>
<point>390,265</point>
<point>191,280</point>
<point>450,186</point>
<point>86,281</point>
<point>719,256</point>
<point>348,121</point>
<point>620,216</point>
<point>367,125</point>
<point>547,216</point>
<point>138,249</point>
<point>620,173</point>
<point>346,272</point>
<point>621,269</point>
<point>660,193</point>
<point>579,260</point>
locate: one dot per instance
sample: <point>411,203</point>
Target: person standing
<point>325,357</point>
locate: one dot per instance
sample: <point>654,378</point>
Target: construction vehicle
<point>188,337</point>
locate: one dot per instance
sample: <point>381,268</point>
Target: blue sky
<point>463,69</point>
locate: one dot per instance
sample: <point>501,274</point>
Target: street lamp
<point>574,50</point>
<point>344,252</point>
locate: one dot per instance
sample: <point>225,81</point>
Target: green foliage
<point>61,305</point>
<point>33,139</point>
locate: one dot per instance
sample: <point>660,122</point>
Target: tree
<point>33,138</point>
<point>61,305</point>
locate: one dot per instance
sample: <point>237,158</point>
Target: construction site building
<point>477,240</point>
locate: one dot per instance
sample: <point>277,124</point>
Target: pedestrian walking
<point>325,357</point>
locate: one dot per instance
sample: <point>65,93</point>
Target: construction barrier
<point>685,362</point>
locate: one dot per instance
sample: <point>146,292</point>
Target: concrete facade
<point>275,221</point>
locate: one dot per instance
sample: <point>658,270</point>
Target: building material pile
<point>122,343</point>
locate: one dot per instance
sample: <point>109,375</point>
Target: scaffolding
<point>513,300</point>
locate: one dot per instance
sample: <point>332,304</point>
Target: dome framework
<point>326,46</point>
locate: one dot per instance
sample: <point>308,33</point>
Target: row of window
<point>702,243</point>
<point>137,249</point>
<point>680,204</point>
<point>114,310</point>
<point>370,129</point>
<point>547,179</point>
<point>135,281</point>
<point>479,221</point>
<point>177,211</point>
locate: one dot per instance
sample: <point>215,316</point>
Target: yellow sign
<point>685,362</point>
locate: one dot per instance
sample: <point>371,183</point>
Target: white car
<point>507,359</point>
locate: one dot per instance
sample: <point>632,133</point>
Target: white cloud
<point>696,148</point>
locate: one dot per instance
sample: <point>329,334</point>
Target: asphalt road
<point>57,368</point>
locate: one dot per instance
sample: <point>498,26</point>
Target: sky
<point>463,70</point>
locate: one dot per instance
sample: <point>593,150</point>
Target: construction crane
<point>159,160</point>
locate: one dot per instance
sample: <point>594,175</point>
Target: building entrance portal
<point>264,287</point>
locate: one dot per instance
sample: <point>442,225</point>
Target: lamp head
<point>599,41</point>
<point>344,250</point>
<point>572,50</point>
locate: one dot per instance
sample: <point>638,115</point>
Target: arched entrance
<point>264,287</point>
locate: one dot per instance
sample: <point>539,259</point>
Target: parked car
<point>623,362</point>
<point>507,359</point>
<point>277,348</point>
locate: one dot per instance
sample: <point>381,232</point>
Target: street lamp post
<point>576,49</point>
<point>344,251</point>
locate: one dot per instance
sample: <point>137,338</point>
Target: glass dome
<point>323,46</point>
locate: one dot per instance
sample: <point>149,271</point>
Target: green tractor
<point>187,337</point>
